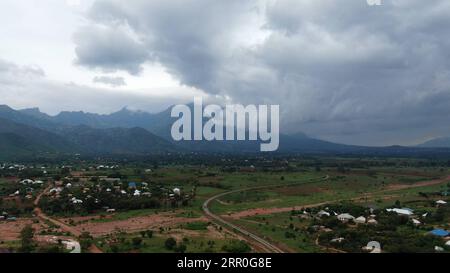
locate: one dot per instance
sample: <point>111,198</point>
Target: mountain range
<point>30,132</point>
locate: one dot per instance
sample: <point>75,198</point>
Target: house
<point>132,185</point>
<point>177,191</point>
<point>447,243</point>
<point>137,193</point>
<point>441,202</point>
<point>373,247</point>
<point>337,240</point>
<point>76,201</point>
<point>439,233</point>
<point>360,220</point>
<point>372,222</point>
<point>403,211</point>
<point>439,249</point>
<point>345,217</point>
<point>26,181</point>
<point>416,222</point>
<point>322,213</point>
<point>110,210</point>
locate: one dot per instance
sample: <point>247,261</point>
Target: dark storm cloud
<point>340,69</point>
<point>112,81</point>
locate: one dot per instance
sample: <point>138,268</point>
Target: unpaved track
<point>264,244</point>
<point>249,236</point>
<point>66,228</point>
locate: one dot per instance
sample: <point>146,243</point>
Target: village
<point>116,207</point>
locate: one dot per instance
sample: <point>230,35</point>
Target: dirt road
<point>248,236</point>
<point>64,227</point>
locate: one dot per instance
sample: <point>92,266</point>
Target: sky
<point>341,70</point>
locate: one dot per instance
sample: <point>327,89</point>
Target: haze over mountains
<point>29,132</point>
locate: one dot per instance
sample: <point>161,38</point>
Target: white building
<point>323,213</point>
<point>177,191</point>
<point>360,220</point>
<point>345,217</point>
<point>407,212</point>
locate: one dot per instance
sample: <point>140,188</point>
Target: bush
<point>170,243</point>
<point>236,246</point>
<point>137,241</point>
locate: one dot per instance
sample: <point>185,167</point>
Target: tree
<point>149,233</point>
<point>181,248</point>
<point>236,246</point>
<point>85,240</point>
<point>137,241</point>
<point>170,243</point>
<point>26,236</point>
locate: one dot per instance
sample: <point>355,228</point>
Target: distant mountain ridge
<point>29,131</point>
<point>440,142</point>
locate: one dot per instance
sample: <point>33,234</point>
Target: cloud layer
<point>341,70</point>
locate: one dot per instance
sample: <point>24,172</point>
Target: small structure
<point>360,220</point>
<point>439,249</point>
<point>403,211</point>
<point>439,233</point>
<point>137,193</point>
<point>441,202</point>
<point>372,222</point>
<point>373,247</point>
<point>447,243</point>
<point>322,213</point>
<point>177,191</point>
<point>26,181</point>
<point>416,222</point>
<point>132,185</point>
<point>76,201</point>
<point>337,240</point>
<point>345,217</point>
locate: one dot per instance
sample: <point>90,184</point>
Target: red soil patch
<point>10,231</point>
<point>134,224</point>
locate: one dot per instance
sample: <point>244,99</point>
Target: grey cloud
<point>340,70</point>
<point>11,69</point>
<point>109,48</point>
<point>112,81</point>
